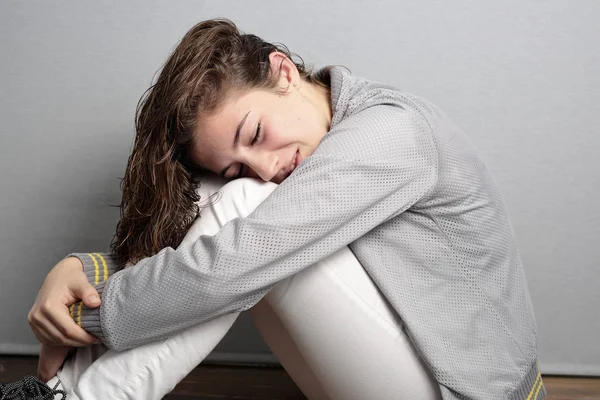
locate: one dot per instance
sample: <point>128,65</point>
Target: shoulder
<point>371,118</point>
<point>361,102</point>
<point>356,99</point>
<point>384,121</point>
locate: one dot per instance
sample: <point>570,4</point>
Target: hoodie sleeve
<point>98,267</point>
<point>369,168</point>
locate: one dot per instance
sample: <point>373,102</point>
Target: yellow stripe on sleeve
<point>79,314</point>
<point>105,268</point>
<point>535,384</point>
<point>538,389</point>
<point>96,269</point>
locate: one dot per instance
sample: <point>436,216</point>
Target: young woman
<point>360,167</point>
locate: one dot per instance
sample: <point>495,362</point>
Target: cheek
<point>270,133</point>
<point>280,134</point>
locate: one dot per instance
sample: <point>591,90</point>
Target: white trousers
<point>329,326</point>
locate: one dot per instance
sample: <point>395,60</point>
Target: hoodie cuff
<point>88,318</point>
<point>98,267</point>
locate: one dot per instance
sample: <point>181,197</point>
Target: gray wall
<point>521,78</point>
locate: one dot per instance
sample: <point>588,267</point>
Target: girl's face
<point>263,134</point>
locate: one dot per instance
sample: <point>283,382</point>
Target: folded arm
<point>354,181</point>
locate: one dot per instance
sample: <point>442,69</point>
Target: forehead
<point>229,114</point>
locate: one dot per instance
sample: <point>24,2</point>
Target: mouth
<point>293,164</point>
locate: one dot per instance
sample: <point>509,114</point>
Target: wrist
<point>74,262</point>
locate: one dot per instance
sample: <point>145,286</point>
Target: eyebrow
<point>236,140</point>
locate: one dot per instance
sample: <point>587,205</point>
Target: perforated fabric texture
<point>400,183</point>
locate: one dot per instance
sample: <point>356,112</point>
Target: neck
<point>321,98</point>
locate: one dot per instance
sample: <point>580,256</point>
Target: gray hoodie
<point>400,184</point>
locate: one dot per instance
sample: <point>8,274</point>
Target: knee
<point>221,203</point>
<point>244,194</point>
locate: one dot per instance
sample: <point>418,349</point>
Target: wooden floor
<point>217,382</point>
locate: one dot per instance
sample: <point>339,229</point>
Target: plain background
<point>520,77</point>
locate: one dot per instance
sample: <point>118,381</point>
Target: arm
<point>97,267</point>
<point>355,180</point>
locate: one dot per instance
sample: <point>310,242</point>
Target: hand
<point>49,316</point>
<point>51,359</point>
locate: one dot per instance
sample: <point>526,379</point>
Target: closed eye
<point>244,168</point>
<point>256,136</point>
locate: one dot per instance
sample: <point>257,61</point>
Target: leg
<point>153,370</point>
<point>146,372</point>
<point>331,328</point>
<point>338,338</point>
<point>282,319</point>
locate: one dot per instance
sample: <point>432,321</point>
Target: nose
<point>266,165</point>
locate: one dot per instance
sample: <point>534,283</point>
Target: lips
<point>293,164</point>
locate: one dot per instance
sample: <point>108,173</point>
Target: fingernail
<point>94,299</point>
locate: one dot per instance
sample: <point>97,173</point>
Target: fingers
<point>82,289</point>
<point>71,330</point>
<point>51,336</point>
<point>57,328</point>
<point>49,317</point>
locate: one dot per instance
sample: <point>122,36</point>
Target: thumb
<point>91,298</point>
<point>88,294</point>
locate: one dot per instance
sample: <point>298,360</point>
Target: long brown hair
<point>213,59</point>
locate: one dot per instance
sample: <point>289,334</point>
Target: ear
<point>283,67</point>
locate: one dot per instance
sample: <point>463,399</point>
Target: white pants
<point>328,325</point>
